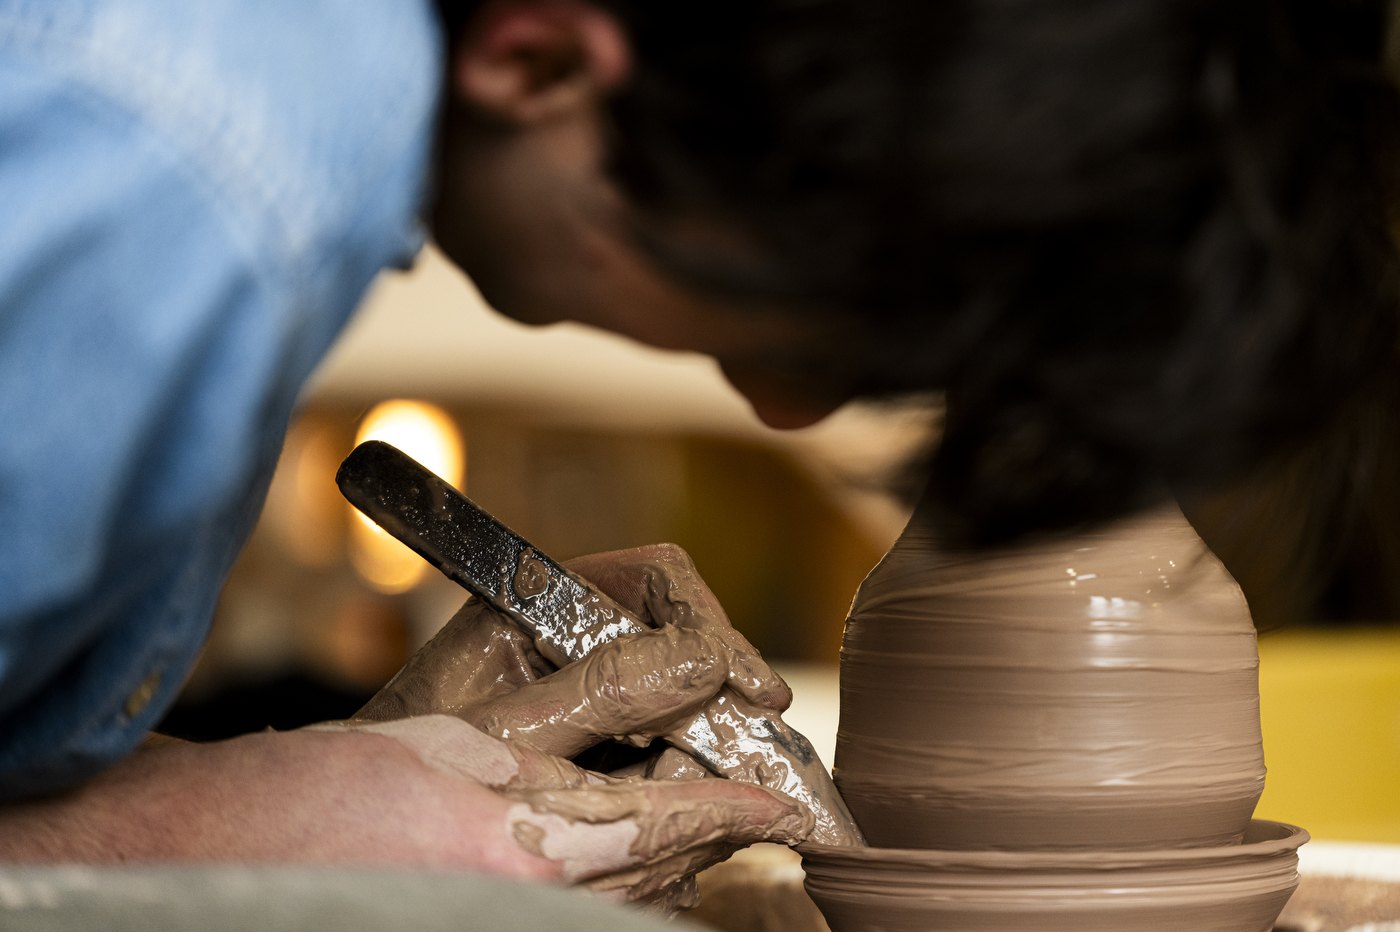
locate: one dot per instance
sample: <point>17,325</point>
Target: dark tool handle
<point>566,615</point>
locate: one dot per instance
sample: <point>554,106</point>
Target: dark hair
<point>1138,242</point>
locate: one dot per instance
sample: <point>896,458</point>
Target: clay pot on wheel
<point>1232,888</point>
<point>1096,691</point>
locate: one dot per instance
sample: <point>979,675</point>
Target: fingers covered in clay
<point>631,690</point>
<point>660,584</point>
<point>481,656</point>
<point>477,656</point>
<point>645,841</point>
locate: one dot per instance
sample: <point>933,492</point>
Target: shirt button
<point>141,696</point>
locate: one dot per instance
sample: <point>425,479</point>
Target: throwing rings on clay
<point>1230,888</point>
<point>1095,691</point>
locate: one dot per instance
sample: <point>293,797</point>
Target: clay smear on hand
<point>633,690</point>
<point>1095,691</point>
<point>660,583</point>
<point>646,840</point>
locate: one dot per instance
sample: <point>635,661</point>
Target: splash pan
<point>1234,888</point>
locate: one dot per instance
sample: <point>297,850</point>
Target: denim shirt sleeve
<point>195,197</point>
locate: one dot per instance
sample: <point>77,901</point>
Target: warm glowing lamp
<point>428,434</point>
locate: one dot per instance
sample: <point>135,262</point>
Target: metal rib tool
<point>568,617</point>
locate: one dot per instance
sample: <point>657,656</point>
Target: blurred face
<point>524,207</point>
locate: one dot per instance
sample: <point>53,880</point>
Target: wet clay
<point>1233,888</point>
<point>531,576</point>
<point>1098,691</point>
<point>747,743</point>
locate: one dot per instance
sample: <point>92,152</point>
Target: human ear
<point>524,61</point>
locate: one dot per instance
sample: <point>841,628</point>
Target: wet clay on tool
<point>1097,691</point>
<point>531,576</point>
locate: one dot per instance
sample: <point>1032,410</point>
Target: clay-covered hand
<point>428,793</point>
<point>436,791</point>
<point>483,669</point>
<point>634,839</point>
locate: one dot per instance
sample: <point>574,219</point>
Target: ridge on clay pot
<point>1090,691</point>
<point>1233,888</point>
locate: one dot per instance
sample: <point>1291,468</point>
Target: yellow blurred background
<point>1330,708</point>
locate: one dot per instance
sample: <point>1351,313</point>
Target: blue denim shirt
<point>193,197</point>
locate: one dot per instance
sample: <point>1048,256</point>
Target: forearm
<point>296,797</point>
<point>94,822</point>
